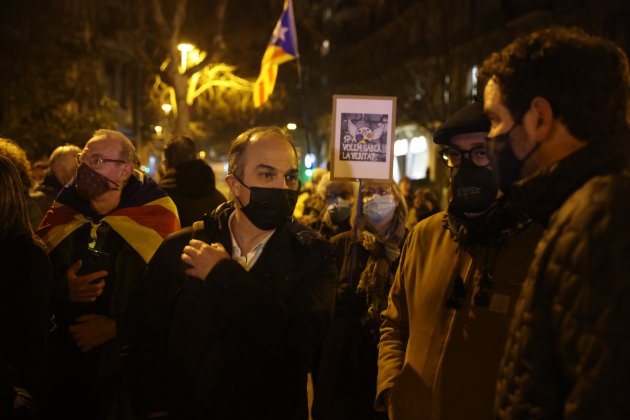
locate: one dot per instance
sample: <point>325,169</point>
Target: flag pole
<point>303,105</point>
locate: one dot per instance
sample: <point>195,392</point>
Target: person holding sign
<point>367,258</point>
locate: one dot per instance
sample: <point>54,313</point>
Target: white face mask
<point>339,209</point>
<point>379,208</point>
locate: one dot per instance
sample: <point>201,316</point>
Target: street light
<point>291,126</point>
<point>185,49</point>
<point>167,108</point>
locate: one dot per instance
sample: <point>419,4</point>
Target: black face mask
<point>474,188</point>
<point>507,167</point>
<point>91,184</point>
<point>268,208</point>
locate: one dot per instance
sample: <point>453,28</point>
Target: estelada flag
<point>282,47</point>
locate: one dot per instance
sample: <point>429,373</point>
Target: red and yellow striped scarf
<point>143,220</point>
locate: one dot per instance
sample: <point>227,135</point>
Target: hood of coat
<point>193,178</point>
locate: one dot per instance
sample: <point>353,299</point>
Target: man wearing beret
<point>460,272</point>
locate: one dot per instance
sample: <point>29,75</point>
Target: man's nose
<point>280,182</point>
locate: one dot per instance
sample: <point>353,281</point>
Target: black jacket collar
<point>543,193</point>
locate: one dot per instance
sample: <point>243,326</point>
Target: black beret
<point>469,119</point>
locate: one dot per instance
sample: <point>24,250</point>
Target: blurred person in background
<point>339,197</point>
<point>17,155</point>
<point>425,204</point>
<point>346,382</point>
<point>25,286</point>
<point>405,190</point>
<point>309,206</point>
<point>61,169</point>
<point>38,170</point>
<point>189,181</point>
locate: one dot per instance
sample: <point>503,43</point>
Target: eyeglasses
<point>342,194</point>
<point>382,191</point>
<point>452,156</point>
<point>95,161</point>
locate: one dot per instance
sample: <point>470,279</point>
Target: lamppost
<point>184,49</point>
<point>167,108</point>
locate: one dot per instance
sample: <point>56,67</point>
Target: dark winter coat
<point>568,351</point>
<point>25,285</point>
<point>238,344</point>
<point>87,385</point>
<point>191,185</point>
<point>346,379</point>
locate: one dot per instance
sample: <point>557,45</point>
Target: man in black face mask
<point>231,308</point>
<point>558,100</point>
<point>460,272</point>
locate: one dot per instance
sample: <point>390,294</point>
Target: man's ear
<point>127,170</point>
<point>544,119</point>
<point>233,184</point>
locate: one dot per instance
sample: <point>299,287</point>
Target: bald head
<point>63,162</point>
<point>124,146</point>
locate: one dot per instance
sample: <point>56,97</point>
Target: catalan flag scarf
<point>144,217</point>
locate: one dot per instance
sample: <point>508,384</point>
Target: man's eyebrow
<point>265,166</point>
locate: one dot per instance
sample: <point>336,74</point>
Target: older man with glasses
<point>459,274</point>
<point>100,232</point>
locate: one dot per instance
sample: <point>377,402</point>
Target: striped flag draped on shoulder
<point>145,216</point>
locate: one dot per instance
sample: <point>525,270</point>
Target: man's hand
<point>202,257</point>
<point>84,288</point>
<point>92,330</point>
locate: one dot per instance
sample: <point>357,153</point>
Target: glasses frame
<point>96,160</point>
<point>465,154</point>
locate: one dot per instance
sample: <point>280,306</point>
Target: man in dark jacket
<point>558,105</point>
<point>189,181</point>
<point>225,321</point>
<point>101,232</point>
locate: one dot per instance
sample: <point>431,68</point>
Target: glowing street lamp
<point>185,49</point>
<point>291,126</point>
<point>167,108</point>
<point>158,129</point>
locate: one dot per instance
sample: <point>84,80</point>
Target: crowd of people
<point>126,298</point>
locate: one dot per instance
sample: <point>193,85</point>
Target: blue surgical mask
<point>379,208</point>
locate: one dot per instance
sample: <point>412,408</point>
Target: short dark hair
<point>585,79</point>
<point>239,144</point>
<point>178,150</point>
